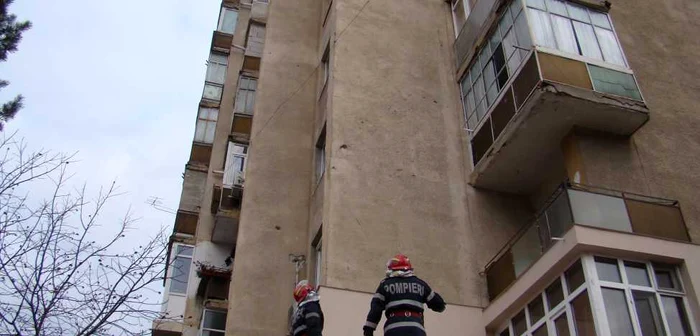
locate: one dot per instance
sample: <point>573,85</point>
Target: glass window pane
<point>541,28</point>
<point>541,331</point>
<point>519,323</point>
<point>513,58</point>
<point>492,93</point>
<point>574,276</point>
<point>607,269</point>
<point>200,130</point>
<point>648,313</point>
<point>479,91</point>
<point>617,312</point>
<point>559,216</point>
<point>209,133</point>
<point>561,324</point>
<point>214,320</point>
<point>495,40</point>
<point>250,102</point>
<point>470,103</point>
<point>473,121</point>
<point>481,109</point>
<point>599,210</point>
<point>522,31</point>
<point>515,7</point>
<point>485,56</point>
<point>676,316</point>
<point>185,250</point>
<point>240,101</point>
<point>499,64</point>
<point>212,92</point>
<point>666,277</point>
<point>227,22</point>
<point>637,274</point>
<point>536,3</point>
<point>505,24</point>
<point>236,148</point>
<point>505,333</point>
<point>557,7</point>
<point>218,58</point>
<point>608,44</point>
<point>526,250</point>
<point>216,73</point>
<point>583,315</point>
<point>536,309</point>
<point>179,274</point>
<point>555,294</point>
<point>489,74</point>
<point>564,33</point>
<point>600,20</point>
<point>587,40</point>
<point>577,12</point>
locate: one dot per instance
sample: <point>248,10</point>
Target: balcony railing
<point>582,205</point>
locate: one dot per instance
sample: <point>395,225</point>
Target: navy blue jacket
<point>308,320</point>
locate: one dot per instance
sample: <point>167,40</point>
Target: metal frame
<point>168,278</point>
<point>593,285</point>
<point>201,323</point>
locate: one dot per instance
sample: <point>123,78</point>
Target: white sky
<point>119,82</point>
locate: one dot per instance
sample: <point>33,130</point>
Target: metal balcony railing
<point>588,206</point>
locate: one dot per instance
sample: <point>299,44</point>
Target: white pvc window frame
<point>171,269</point>
<point>454,7</point>
<point>226,13</point>
<point>593,286</point>
<point>233,175</point>
<point>203,328</point>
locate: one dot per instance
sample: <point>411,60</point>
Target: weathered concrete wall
<point>398,160</point>
<point>274,218</point>
<point>661,159</point>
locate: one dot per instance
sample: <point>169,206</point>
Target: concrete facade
<point>358,151</point>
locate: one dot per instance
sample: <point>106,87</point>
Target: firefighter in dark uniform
<point>308,319</point>
<point>401,295</point>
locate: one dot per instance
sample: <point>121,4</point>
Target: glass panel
<point>648,314</point>
<point>561,324</point>
<point>459,15</point>
<point>523,32</point>
<point>505,24</point>
<point>545,236</point>
<point>541,28</point>
<point>472,122</point>
<point>514,59</point>
<point>238,163</point>
<point>617,312</point>
<point>185,250</point>
<point>214,320</point>
<point>216,73</point>
<point>599,210</point>
<point>479,91</point>
<point>583,315</point>
<point>495,40</point>
<point>218,58</point>
<point>578,12</point>
<point>240,101</point>
<point>237,149</point>
<point>470,104</point>
<point>557,6</point>
<point>536,3</point>
<point>536,309</point>
<point>574,276</point>
<point>209,133</point>
<point>587,41</point>
<point>666,277</point>
<point>485,56</point>
<point>492,93</point>
<point>489,74</point>
<point>608,43</point>
<point>519,323</point>
<point>481,109</point>
<point>212,92</point>
<point>607,269</point>
<point>515,7</point>
<point>555,294</point>
<point>179,275</point>
<point>212,333</point>
<point>250,102</point>
<point>200,130</point>
<point>676,316</point>
<point>541,331</point>
<point>637,274</point>
<point>559,216</point>
<point>526,250</point>
<point>505,333</point>
<point>615,82</point>
<point>227,23</point>
<point>499,63</point>
<point>600,20</point>
<point>564,33</point>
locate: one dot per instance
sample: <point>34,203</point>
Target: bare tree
<point>62,271</point>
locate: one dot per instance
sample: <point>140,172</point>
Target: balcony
<point>537,106</point>
<point>258,11</point>
<point>585,206</point>
<point>226,207</point>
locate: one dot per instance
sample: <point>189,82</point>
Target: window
<point>320,156</point>
<point>206,125</point>
<point>227,20</point>
<point>256,39</point>
<point>213,323</point>
<point>625,297</point>
<point>180,268</point>
<point>234,169</point>
<point>460,13</point>
<point>245,98</point>
<point>574,29</point>
<point>216,68</point>
<point>497,60</point>
<point>212,92</point>
<point>318,260</point>
<point>325,68</point>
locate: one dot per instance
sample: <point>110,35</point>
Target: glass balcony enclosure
<point>581,205</point>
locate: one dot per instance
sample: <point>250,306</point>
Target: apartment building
<point>536,160</point>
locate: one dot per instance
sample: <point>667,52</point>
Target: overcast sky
<point>119,82</point>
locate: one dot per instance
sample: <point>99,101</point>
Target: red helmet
<point>399,262</point>
<point>302,290</point>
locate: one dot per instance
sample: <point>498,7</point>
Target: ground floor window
<point>608,296</point>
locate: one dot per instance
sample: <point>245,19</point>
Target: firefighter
<point>401,295</point>
<point>308,319</point>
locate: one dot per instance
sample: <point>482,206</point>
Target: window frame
<point>176,255</point>
<point>222,16</point>
<point>320,156</point>
<point>229,162</point>
<point>202,328</point>
<point>248,93</point>
<point>318,259</point>
<point>207,124</point>
<point>467,11</point>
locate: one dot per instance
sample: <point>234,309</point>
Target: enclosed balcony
<point>542,68</point>
<point>577,205</point>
